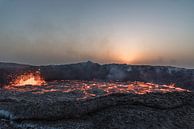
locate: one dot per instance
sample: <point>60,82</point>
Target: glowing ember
<point>88,89</point>
<point>33,78</point>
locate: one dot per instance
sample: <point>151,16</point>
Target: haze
<point>155,32</point>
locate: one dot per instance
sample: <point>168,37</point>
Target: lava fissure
<point>88,89</point>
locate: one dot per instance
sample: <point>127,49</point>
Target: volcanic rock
<point>113,111</point>
<point>61,110</point>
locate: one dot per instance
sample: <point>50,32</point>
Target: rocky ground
<point>31,108</point>
<point>57,110</point>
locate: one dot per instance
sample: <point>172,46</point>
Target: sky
<point>41,32</point>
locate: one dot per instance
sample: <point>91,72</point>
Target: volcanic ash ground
<point>96,105</point>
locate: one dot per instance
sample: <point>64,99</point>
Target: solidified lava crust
<point>96,108</point>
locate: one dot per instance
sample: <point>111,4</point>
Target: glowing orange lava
<point>32,78</point>
<point>89,89</point>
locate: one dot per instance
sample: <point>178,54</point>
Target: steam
<point>116,73</point>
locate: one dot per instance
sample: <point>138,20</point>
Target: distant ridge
<point>117,72</point>
<point>89,63</point>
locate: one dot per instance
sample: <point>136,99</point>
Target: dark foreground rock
<point>115,111</point>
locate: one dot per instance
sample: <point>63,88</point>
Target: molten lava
<point>87,89</point>
<point>32,78</point>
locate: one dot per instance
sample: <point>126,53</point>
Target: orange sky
<point>133,32</point>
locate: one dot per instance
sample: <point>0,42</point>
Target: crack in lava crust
<point>89,89</point>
